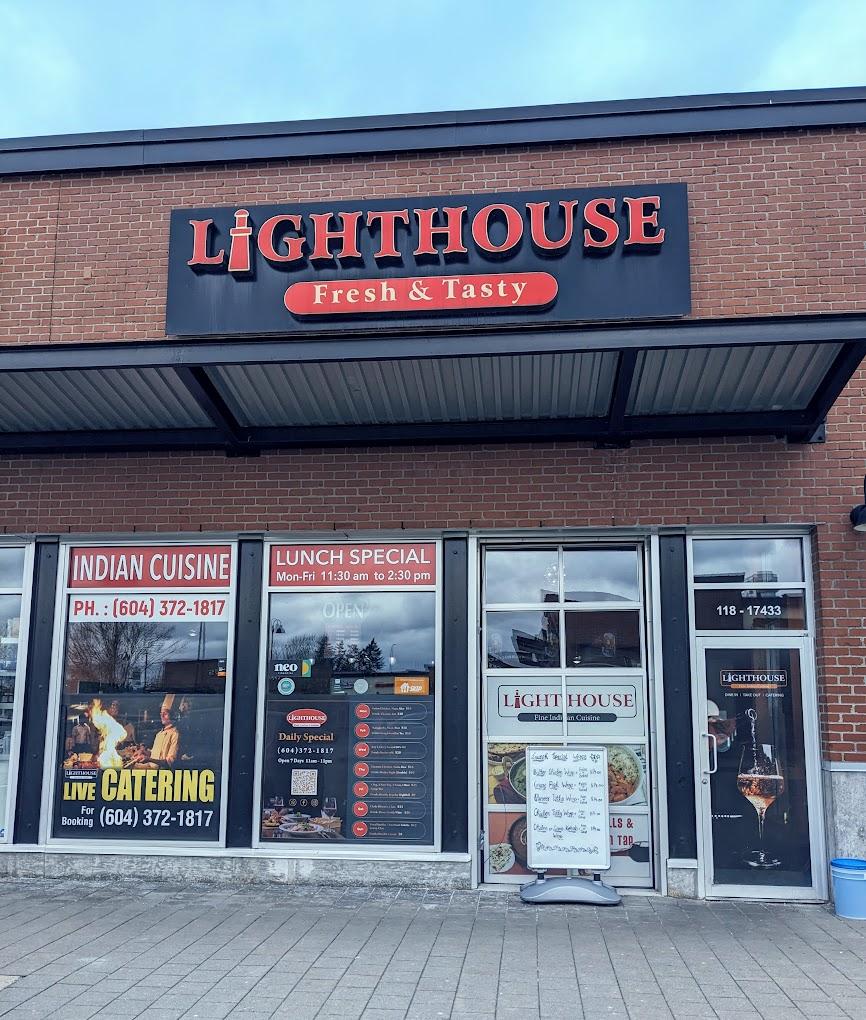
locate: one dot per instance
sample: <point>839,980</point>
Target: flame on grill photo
<point>111,733</point>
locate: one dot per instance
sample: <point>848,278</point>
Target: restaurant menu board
<point>567,808</point>
<point>142,702</point>
<point>349,769</point>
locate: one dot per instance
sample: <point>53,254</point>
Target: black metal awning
<point>770,377</point>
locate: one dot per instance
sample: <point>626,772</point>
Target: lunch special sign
<point>398,565</point>
<point>548,257</point>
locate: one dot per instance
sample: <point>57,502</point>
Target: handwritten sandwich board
<point>567,808</point>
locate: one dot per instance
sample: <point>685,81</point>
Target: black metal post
<point>245,687</point>
<point>677,687</point>
<point>454,677</point>
<point>25,828</point>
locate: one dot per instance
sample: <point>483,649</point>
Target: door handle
<point>713,761</point>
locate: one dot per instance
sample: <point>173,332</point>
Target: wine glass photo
<point>760,781</point>
<point>329,807</point>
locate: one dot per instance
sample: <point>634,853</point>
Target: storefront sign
<point>594,707</point>
<point>549,257</point>
<point>401,565</point>
<point>170,566</point>
<point>754,679</point>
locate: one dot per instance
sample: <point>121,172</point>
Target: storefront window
<point>143,694</point>
<point>589,688</point>
<point>349,748</point>
<point>11,582</point>
<point>521,576</point>
<point>735,560</point>
<point>601,575</point>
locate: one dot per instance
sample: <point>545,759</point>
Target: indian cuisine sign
<point>142,704</point>
<point>506,258</point>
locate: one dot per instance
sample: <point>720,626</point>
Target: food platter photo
<point>625,775</point>
<point>502,858</point>
<point>506,770</point>
<point>291,827</point>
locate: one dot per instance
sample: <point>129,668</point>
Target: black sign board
<point>520,258</point>
<point>348,769</point>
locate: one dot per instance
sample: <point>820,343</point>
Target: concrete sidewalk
<point>159,952</point>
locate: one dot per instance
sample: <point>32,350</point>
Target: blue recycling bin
<point>849,887</point>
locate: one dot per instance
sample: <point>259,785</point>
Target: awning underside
<point>289,394</point>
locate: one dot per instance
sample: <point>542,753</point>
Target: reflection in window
<point>361,633</point>
<point>759,560</point>
<point>103,658</point>
<point>603,639</point>
<point>601,575</point>
<point>523,640</point>
<point>10,625</point>
<point>521,575</point>
<point>11,568</point>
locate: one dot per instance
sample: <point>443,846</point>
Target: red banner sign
<point>150,567</point>
<point>422,294</point>
<point>380,565</point>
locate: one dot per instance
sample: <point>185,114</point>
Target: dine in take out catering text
<point>508,258</point>
<point>142,704</point>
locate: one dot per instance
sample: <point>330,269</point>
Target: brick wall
<point>777,222</point>
<point>777,227</point>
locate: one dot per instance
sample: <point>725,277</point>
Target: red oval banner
<point>312,717</point>
<point>422,294</point>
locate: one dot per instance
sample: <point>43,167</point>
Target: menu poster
<point>567,808</point>
<point>349,770</point>
<point>304,771</point>
<point>140,766</point>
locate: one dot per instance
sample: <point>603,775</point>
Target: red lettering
<point>639,219</point>
<point>598,221</point>
<point>453,228</point>
<point>294,245</point>
<point>481,228</point>
<point>387,220</point>
<point>347,235</point>
<point>200,235</point>
<point>538,231</point>
<point>239,253</point>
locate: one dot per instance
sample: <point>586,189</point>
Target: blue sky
<point>91,65</point>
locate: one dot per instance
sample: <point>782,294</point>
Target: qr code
<point>305,782</point>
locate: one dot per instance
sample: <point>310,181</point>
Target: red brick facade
<point>778,227</point>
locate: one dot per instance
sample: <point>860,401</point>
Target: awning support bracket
<point>238,442</point>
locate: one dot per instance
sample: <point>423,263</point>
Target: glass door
<point>565,663</point>
<point>757,751</point>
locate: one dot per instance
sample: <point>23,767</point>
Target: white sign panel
<point>596,706</point>
<point>567,808</point>
<point>126,607</point>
